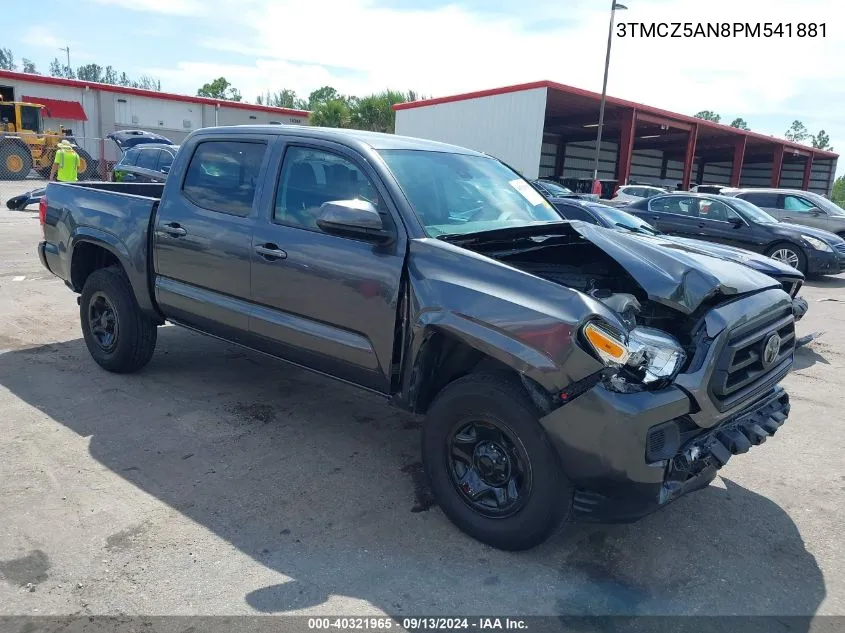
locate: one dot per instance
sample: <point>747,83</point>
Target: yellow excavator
<point>26,145</point>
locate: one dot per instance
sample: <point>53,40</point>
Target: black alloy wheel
<point>490,469</point>
<point>103,321</point>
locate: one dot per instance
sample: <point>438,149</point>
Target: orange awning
<point>59,108</point>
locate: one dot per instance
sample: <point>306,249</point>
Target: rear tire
<point>790,254</point>
<point>119,337</point>
<point>488,418</point>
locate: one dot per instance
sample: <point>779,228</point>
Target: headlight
<point>816,243</point>
<point>650,354</point>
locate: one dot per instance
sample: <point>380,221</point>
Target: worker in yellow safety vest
<point>66,164</point>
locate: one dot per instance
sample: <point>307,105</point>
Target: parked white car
<point>633,193</point>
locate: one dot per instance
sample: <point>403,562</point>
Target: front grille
<point>840,248</point>
<point>742,368</point>
<point>790,286</point>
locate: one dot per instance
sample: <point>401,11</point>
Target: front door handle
<point>174,230</point>
<point>270,252</point>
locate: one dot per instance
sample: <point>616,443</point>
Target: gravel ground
<point>218,481</point>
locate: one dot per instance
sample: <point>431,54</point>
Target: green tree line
<point>797,132</point>
<point>329,108</point>
<point>87,72</point>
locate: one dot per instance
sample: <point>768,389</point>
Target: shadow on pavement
<point>806,356</point>
<point>316,481</point>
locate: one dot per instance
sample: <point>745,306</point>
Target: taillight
<point>42,213</point>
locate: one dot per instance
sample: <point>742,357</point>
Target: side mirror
<point>357,219</point>
<point>816,211</point>
<point>165,169</point>
<point>737,222</point>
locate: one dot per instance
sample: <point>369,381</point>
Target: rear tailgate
<point>113,216</point>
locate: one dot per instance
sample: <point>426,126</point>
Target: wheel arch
<point>92,249</point>
<point>442,353</point>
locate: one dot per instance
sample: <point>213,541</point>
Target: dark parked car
<point>149,162</point>
<point>127,139</point>
<point>565,370</point>
<point>790,278</point>
<point>553,190</point>
<point>735,222</point>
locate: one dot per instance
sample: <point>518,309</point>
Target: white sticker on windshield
<point>528,192</point>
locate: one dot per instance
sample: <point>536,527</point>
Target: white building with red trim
<point>94,110</point>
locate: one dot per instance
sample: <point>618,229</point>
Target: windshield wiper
<point>638,229</point>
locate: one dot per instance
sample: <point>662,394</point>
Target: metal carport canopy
<point>573,113</point>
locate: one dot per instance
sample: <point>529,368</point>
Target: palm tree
<point>332,113</point>
<point>375,112</point>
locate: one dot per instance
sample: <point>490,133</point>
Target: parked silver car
<point>797,207</point>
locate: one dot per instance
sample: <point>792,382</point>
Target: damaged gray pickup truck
<point>566,371</point>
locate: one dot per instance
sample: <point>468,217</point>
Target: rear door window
<point>769,200</point>
<point>165,160</point>
<point>148,159</point>
<point>222,175</point>
<point>130,158</point>
<point>675,205</point>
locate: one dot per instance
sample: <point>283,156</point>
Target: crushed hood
<point>675,275</point>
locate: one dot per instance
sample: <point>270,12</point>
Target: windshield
<point>460,194</point>
<point>617,217</point>
<point>554,188</point>
<point>752,212</point>
<point>824,204</point>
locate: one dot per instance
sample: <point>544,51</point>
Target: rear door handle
<point>174,230</point>
<point>270,252</point>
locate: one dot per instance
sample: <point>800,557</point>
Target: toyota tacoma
<point>566,371</point>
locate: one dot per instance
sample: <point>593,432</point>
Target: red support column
<point>626,146</point>
<point>808,169</point>
<point>777,165</point>
<point>689,157</point>
<point>739,157</point>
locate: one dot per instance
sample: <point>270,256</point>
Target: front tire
<point>15,161</point>
<point>789,254</point>
<point>490,464</point>
<point>118,335</point>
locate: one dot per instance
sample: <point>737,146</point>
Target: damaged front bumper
<point>625,465</point>
<point>628,454</point>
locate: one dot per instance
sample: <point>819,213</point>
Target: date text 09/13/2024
<point>721,29</point>
<point>418,624</point>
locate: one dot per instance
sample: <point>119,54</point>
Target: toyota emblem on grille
<point>771,350</point>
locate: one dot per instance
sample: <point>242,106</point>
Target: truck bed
<point>113,215</point>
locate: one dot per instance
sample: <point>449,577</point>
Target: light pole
<point>613,7</point>
<point>66,49</point>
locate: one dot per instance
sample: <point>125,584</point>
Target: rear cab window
<point>222,175</point>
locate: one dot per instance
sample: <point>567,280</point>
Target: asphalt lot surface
<point>218,481</point>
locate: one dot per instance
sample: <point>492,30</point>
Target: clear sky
<point>438,47</point>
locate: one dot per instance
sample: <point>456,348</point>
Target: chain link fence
<point>29,157</point>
